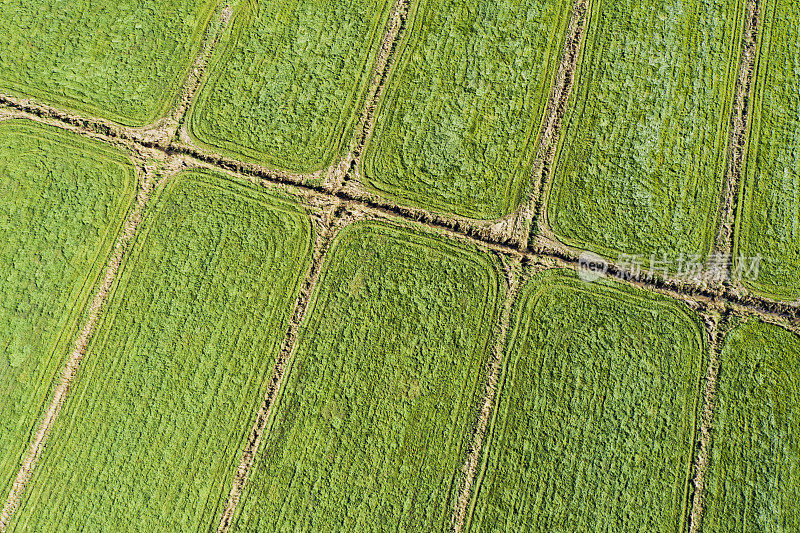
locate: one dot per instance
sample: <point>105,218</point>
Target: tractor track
<point>39,441</point>
<point>487,404</point>
<point>330,222</point>
<point>554,116</point>
<point>739,124</point>
<point>542,248</point>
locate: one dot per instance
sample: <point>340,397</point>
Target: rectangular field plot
<point>123,60</point>
<point>157,418</point>
<point>769,222</point>
<point>375,417</point>
<point>63,199</point>
<point>289,81</point>
<point>754,475</point>
<point>641,161</point>
<point>457,128</point>
<point>595,424</point>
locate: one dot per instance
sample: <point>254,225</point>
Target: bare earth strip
<point>714,327</point>
<point>331,223</point>
<point>554,117</point>
<point>541,248</point>
<point>73,362</point>
<point>380,73</point>
<point>740,117</point>
<point>470,468</point>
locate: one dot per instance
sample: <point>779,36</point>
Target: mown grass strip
<point>374,420</point>
<point>62,202</point>
<point>286,88</point>
<point>769,215</point>
<point>640,165</point>
<point>597,410</point>
<point>462,136</point>
<point>160,409</point>
<point>754,475</point>
<point>123,60</point>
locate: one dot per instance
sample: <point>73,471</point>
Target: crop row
<point>640,164</point>
<point>595,419</point>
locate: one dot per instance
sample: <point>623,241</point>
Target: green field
<point>124,60</point>
<point>289,82</point>
<point>640,164</point>
<point>595,425</point>
<point>156,421</point>
<point>754,476</point>
<point>457,127</point>
<point>62,202</point>
<point>769,221</point>
<point>372,427</point>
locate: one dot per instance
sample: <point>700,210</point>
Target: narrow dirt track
<point>739,124</point>
<point>331,222</point>
<point>470,468</point>
<point>380,73</point>
<point>76,356</point>
<point>715,327</point>
<point>554,116</point>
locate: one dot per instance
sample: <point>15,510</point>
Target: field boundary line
<point>738,140</point>
<point>487,404</point>
<point>550,135</point>
<point>715,329</point>
<point>331,223</point>
<point>542,247</point>
<point>40,438</point>
<point>165,129</point>
<point>395,27</point>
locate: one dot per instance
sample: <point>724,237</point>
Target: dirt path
<point>554,116</point>
<point>165,130</point>
<point>715,326</point>
<point>348,167</point>
<point>740,120</point>
<point>470,467</point>
<point>331,221</point>
<point>76,356</point>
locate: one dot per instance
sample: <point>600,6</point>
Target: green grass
<point>376,414</point>
<point>457,127</point>
<point>62,202</point>
<point>124,60</point>
<point>769,221</point>
<point>155,423</point>
<point>640,165</point>
<point>754,474</point>
<point>595,425</point>
<point>289,81</point>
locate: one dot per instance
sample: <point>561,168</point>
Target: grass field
<point>62,202</point>
<point>769,221</point>
<point>156,420</point>
<point>372,427</point>
<point>460,134</point>
<point>596,417</point>
<point>289,82</point>
<point>640,164</point>
<point>754,477</point>
<point>124,60</point>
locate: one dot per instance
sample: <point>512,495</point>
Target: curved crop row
<point>286,87</point>
<point>375,416</point>
<point>62,202</point>
<point>594,429</point>
<point>457,127</point>
<point>124,60</point>
<point>158,414</point>
<point>641,160</point>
